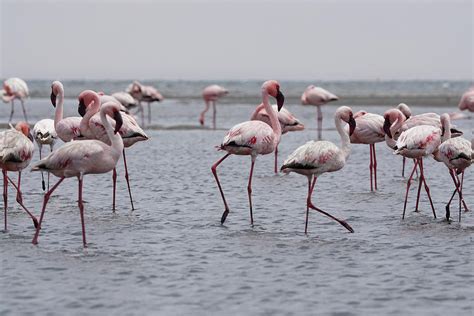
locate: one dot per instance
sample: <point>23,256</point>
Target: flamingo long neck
<point>92,109</point>
<point>273,116</point>
<point>447,131</point>
<point>255,113</point>
<point>58,115</point>
<point>390,141</point>
<point>345,139</point>
<point>115,139</point>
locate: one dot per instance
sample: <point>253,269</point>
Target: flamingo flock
<point>95,141</point>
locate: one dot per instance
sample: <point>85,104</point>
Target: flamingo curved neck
<point>345,139</point>
<point>257,110</point>
<point>58,115</point>
<point>92,109</point>
<point>115,139</point>
<point>390,141</point>
<point>447,131</point>
<point>273,116</point>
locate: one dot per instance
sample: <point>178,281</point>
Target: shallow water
<point>172,256</point>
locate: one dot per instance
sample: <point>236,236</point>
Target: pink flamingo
<point>369,130</point>
<point>66,128</point>
<point>252,138</point>
<point>16,151</point>
<point>15,88</point>
<point>467,100</point>
<point>143,93</point>
<point>78,158</point>
<point>317,157</point>
<point>457,155</point>
<point>125,99</point>
<point>92,128</point>
<point>317,96</point>
<point>211,94</point>
<point>44,134</point>
<point>416,143</point>
<point>288,123</point>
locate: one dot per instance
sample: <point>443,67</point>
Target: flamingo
<point>288,122</point>
<point>317,157</point>
<point>125,99</point>
<point>92,128</point>
<point>16,151</point>
<point>252,138</point>
<point>317,96</point>
<point>44,134</point>
<point>416,143</point>
<point>369,130</point>
<point>211,94</point>
<point>143,93</point>
<point>467,100</point>
<point>67,128</point>
<point>15,88</point>
<point>457,155</point>
<point>78,158</point>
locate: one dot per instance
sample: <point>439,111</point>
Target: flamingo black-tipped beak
<point>442,131</point>
<point>386,127</point>
<point>30,137</point>
<point>280,100</point>
<point>352,125</point>
<point>53,99</point>
<point>81,108</point>
<point>118,121</point>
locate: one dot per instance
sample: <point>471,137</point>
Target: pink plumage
<point>211,94</point>
<point>467,101</point>
<point>15,88</point>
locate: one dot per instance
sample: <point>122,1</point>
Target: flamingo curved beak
<point>352,125</point>
<point>81,109</point>
<point>53,98</point>
<point>280,100</point>
<point>118,121</point>
<point>386,127</point>
<point>30,137</point>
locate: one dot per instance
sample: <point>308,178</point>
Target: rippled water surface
<point>171,255</point>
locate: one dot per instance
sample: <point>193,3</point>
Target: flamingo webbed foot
<point>224,216</point>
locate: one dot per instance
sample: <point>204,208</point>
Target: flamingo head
<point>390,117</point>
<point>112,109</point>
<point>345,114</point>
<point>272,87</point>
<point>56,89</point>
<point>87,99</point>
<point>445,123</point>
<point>24,128</point>
<point>405,109</point>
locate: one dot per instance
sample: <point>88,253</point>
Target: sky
<point>286,40</point>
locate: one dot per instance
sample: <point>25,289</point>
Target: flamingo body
<point>15,88</point>
<point>467,101</point>
<point>250,138</point>
<point>317,96</point>
<point>211,94</point>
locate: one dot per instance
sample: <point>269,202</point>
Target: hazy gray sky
<point>313,40</point>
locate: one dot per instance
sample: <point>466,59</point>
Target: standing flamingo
<point>417,142</point>
<point>252,138</point>
<point>15,88</point>
<point>369,130</point>
<point>125,99</point>
<point>317,96</point>
<point>211,94</point>
<point>288,122</point>
<point>457,155</point>
<point>44,134</point>
<point>67,128</point>
<point>78,158</point>
<point>467,100</point>
<point>317,157</point>
<point>143,93</point>
<point>16,151</point>
<point>92,128</point>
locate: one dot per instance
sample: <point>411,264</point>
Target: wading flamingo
<point>317,96</point>
<point>44,134</point>
<point>211,94</point>
<point>317,157</point>
<point>143,93</point>
<point>92,128</point>
<point>15,88</point>
<point>67,128</point>
<point>78,158</point>
<point>369,130</point>
<point>467,101</point>
<point>252,138</point>
<point>457,155</point>
<point>16,151</point>
<point>288,123</point>
<point>125,99</point>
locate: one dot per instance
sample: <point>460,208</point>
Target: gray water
<point>171,256</point>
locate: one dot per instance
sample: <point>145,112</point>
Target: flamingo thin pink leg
<point>128,180</point>
<point>11,113</point>
<point>19,198</point>
<point>310,192</point>
<point>114,185</point>
<point>42,176</point>
<point>456,185</point>
<point>403,167</point>
<point>276,159</point>
<point>375,167</point>
<point>149,113</point>
<point>214,172</point>
<point>420,184</point>
<point>45,202</point>
<point>371,167</point>
<point>5,196</point>
<point>408,188</point>
<point>81,210</point>
<point>320,122</point>
<point>214,114</point>
<point>427,189</point>
<point>466,209</point>
<point>24,110</point>
<point>249,190</point>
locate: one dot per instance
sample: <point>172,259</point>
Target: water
<point>172,256</point>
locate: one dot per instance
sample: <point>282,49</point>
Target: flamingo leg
<point>42,175</point>
<point>403,167</point>
<point>203,113</point>
<point>149,113</point>
<point>45,202</point>
<point>19,198</point>
<point>310,192</point>
<point>214,172</point>
<point>81,210</point>
<point>276,159</point>
<point>420,184</point>
<point>461,199</point>
<point>371,167</point>
<point>24,110</point>
<point>375,167</point>
<point>427,189</point>
<point>142,112</point>
<point>310,205</point>
<point>456,185</point>
<point>416,170</point>
<point>320,122</point>
<point>408,188</point>
<point>128,180</point>
<point>11,112</point>
<point>466,209</point>
<point>50,150</point>
<point>213,114</point>
<point>5,196</point>
<point>114,181</point>
<point>249,189</point>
